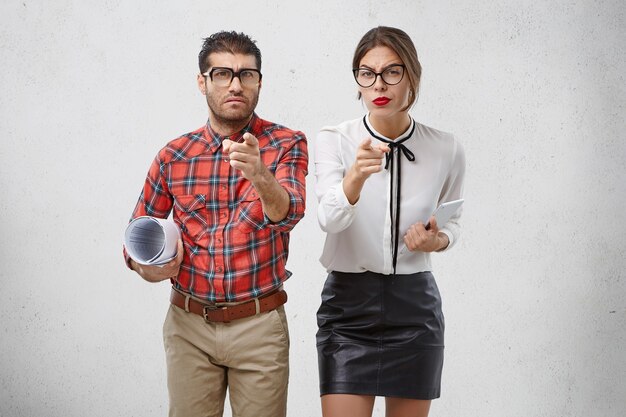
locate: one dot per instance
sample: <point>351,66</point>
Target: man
<point>237,188</point>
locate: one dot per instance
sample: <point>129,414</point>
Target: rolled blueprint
<point>151,241</point>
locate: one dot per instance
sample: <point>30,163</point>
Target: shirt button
<point>219,269</point>
<point>219,240</point>
<point>223,187</point>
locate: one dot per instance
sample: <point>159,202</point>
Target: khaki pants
<point>250,356</point>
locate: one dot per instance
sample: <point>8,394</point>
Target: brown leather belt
<point>224,314</point>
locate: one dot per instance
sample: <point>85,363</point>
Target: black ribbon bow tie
<point>394,209</point>
<point>407,153</point>
<point>393,144</point>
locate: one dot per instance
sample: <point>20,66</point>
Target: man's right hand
<point>154,273</point>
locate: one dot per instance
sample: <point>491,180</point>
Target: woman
<point>379,178</point>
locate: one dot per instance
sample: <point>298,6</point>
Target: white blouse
<point>359,236</point>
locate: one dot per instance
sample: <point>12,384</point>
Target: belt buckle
<point>206,309</point>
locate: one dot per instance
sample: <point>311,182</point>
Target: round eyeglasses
<point>391,75</point>
<point>222,76</point>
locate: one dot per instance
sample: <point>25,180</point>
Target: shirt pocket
<point>250,211</point>
<point>192,214</point>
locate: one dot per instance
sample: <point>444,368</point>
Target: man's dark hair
<point>231,42</point>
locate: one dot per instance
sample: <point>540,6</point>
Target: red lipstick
<point>381,101</point>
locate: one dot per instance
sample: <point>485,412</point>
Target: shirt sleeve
<point>453,190</point>
<point>334,212</point>
<point>155,199</point>
<point>290,173</point>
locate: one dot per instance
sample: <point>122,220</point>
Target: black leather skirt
<point>380,335</point>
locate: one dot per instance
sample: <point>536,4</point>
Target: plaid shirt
<point>233,251</point>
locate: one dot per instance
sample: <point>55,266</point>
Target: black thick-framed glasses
<point>223,76</point>
<point>366,77</point>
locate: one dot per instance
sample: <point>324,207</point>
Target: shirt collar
<point>404,135</point>
<point>215,140</point>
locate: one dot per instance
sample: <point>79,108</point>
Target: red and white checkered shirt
<point>233,251</point>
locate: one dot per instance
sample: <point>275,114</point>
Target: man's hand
<point>417,238</point>
<point>245,156</point>
<point>154,273</point>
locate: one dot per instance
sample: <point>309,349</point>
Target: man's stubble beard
<point>231,122</point>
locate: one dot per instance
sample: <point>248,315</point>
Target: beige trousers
<point>250,356</point>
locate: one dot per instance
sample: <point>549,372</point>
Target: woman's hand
<point>368,161</point>
<point>417,238</point>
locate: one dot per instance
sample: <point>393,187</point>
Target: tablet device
<point>445,211</point>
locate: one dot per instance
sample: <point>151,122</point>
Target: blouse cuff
<point>342,200</point>
<point>450,239</point>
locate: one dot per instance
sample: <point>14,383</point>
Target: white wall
<point>533,294</point>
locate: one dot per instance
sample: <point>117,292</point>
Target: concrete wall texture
<point>534,294</point>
